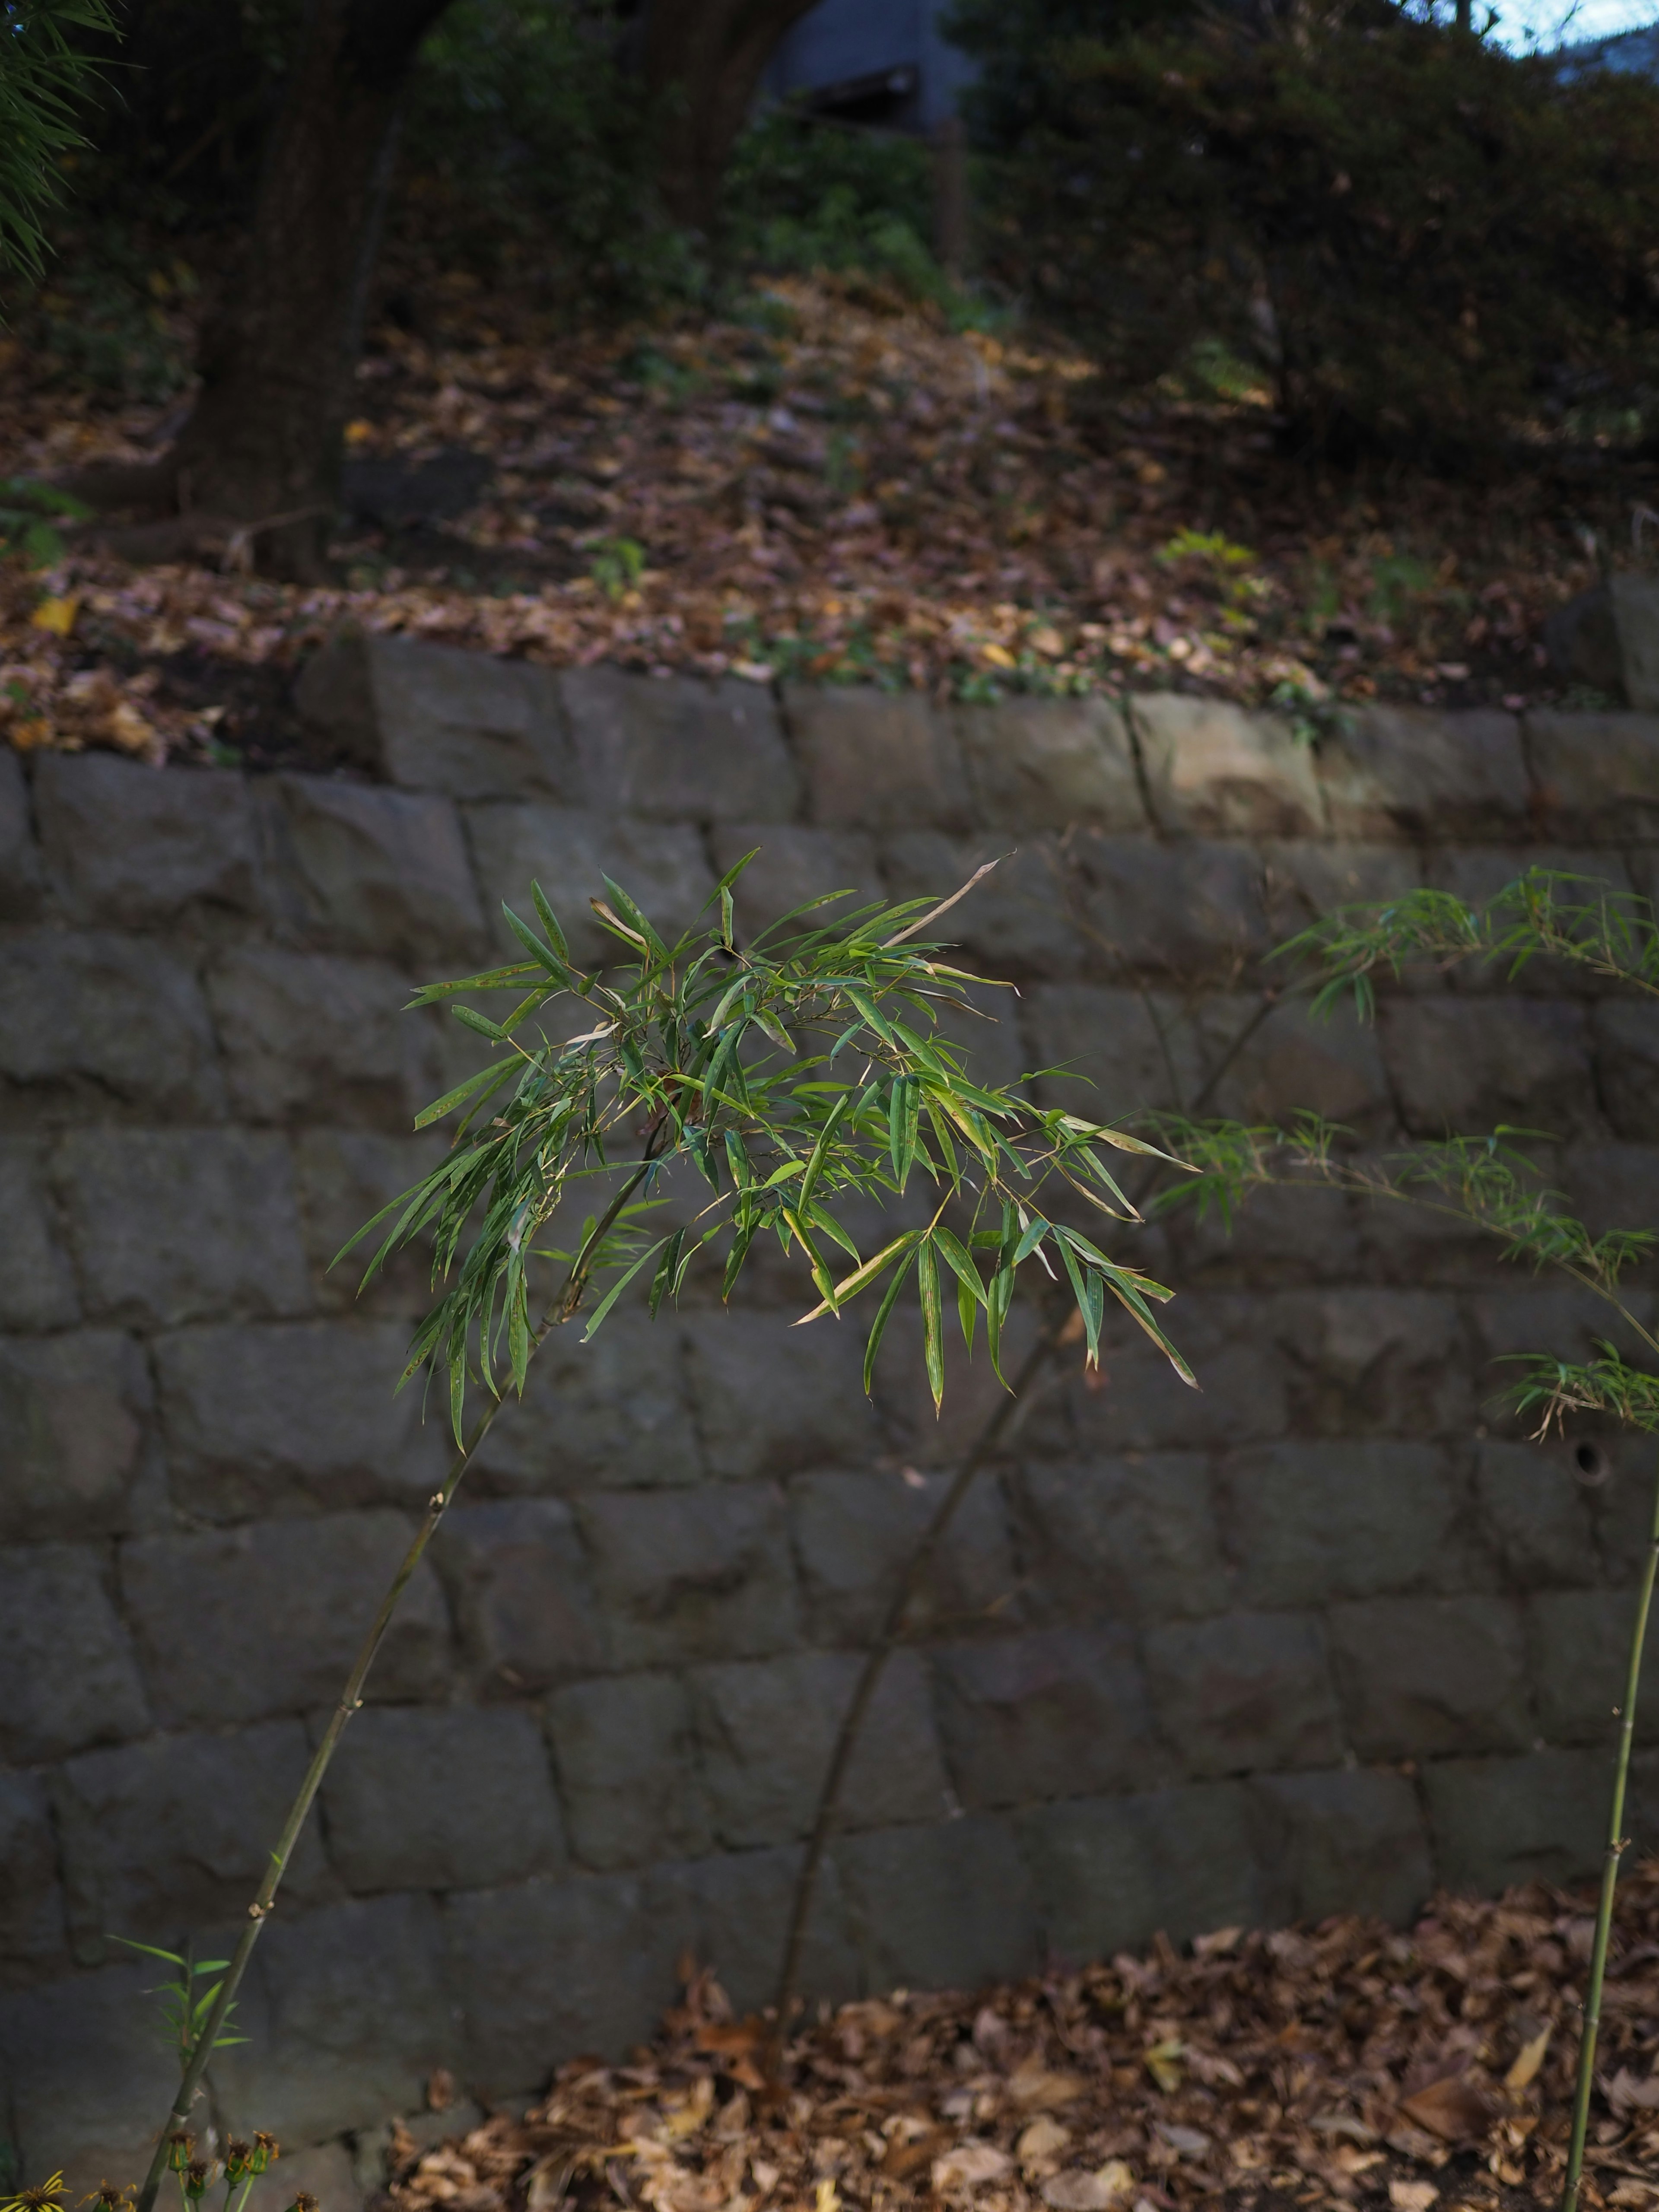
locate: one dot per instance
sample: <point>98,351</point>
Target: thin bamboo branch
<point>1617,1845</point>
<point>351,1698</point>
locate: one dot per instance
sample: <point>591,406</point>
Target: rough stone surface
<point>172,1226</point>
<point>661,867</point>
<point>67,1676</point>
<point>360,869</point>
<point>1308,1640</point>
<point>679,749</point>
<point>71,1415</point>
<point>1045,764</point>
<point>37,1283</point>
<point>768,1727</point>
<point>627,1756</point>
<point>518,1579</point>
<point>306,1036</point>
<point>91,1022</point>
<point>1441,1675</point>
<point>310,1586</point>
<point>452,1799</point>
<point>696,1575</point>
<point>134,849</point>
<point>1213,770</point>
<point>877,760</point>
<point>260,1421</point>
<point>164,1838</point>
<point>1401,771</point>
<point>1248,1691</point>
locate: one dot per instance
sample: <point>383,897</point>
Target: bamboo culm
<point>351,1698</point>
<point>1617,1842</point>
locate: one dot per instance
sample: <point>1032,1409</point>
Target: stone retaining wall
<point>1316,1638</point>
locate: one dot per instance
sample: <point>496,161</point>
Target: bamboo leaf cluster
<point>44,72</point>
<point>792,1075</point>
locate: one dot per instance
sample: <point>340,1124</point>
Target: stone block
<point>1579,1642</point>
<point>235,1624</point>
<point>1292,1063</point>
<point>793,866</point>
<point>31,1903</point>
<point>439,717</point>
<point>1285,1236</point>
<point>518,1583</point>
<point>1367,1362</point>
<point>21,877</point>
<point>1053,1713</point>
<point>1249,1690</point>
<point>1012,923</point>
<point>178,1226</point>
<point>660,865</point>
<point>460,1799</point>
<point>1309,1522</point>
<point>1421,1676</point>
<point>770,1398</point>
<point>679,748</point>
<point>1466,1065</point>
<point>1185,913</point>
<point>37,1284</point>
<point>71,1414</point>
<point>547,1970</point>
<point>1213,769</point>
<point>613,1414</point>
<point>947,1905</point>
<point>1305,878</point>
<point>1551,1317</point>
<point>1142,1404</point>
<point>1625,1035</point>
<point>136,848</point>
<point>266,1420</point>
<point>1399,771</point>
<point>1110,1872</point>
<point>627,1756</point>
<point>1611,1186</point>
<point>853,1531</point>
<point>767,1729</point>
<point>922,1436</point>
<point>67,1675</point>
<point>84,2087</point>
<point>347,2017</point>
<point>1046,763</point>
<point>1110,1054</point>
<point>308,1037</point>
<point>1598,775</point>
<point>1500,1821</point>
<point>1121,1539</point>
<point>359,869</point>
<point>687,1575</point>
<point>733,1913</point>
<point>877,760</point>
<point>101,1023</point>
<point>1534,1513</point>
<point>344,1178</point>
<point>162,1838</point>
<point>1349,1840</point>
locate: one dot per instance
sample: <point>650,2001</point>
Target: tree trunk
<point>278,353</point>
<point>702,61</point>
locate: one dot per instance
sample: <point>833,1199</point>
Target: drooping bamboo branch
<point>1617,1844</point>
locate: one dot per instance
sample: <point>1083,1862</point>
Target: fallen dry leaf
<point>1529,2058</point>
<point>1043,2138</point>
<point>1454,2108</point>
<point>969,2166</point>
<point>1078,2191</point>
<point>1412,2196</point>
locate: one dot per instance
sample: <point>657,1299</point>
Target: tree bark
<point>277,352</point>
<point>702,61</point>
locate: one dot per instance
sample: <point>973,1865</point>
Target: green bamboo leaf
<point>615,1290</point>
<point>545,913</point>
<point>1034,1233</point>
<point>665,1278</point>
<point>967,1314</point>
<point>956,1253</point>
<point>743,1238</point>
<point>878,1327</point>
<point>482,1023</point>
<point>532,944</point>
<point>631,913</point>
<point>820,1150</point>
<point>494,1073</point>
<point>863,1276</point>
<point>932,1335</point>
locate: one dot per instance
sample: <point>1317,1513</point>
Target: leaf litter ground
<point>1345,2067</point>
<point>834,485</point>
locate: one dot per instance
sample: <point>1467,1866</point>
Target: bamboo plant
<point>786,1076</point>
<point>1492,1183</point>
